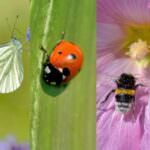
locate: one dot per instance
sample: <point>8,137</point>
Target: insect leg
<point>140,84</point>
<point>45,54</point>
<point>107,96</point>
<point>43,49</point>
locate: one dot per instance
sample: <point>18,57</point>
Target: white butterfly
<point>11,67</point>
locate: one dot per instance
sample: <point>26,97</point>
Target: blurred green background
<point>14,107</point>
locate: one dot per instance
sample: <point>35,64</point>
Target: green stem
<point>63,118</point>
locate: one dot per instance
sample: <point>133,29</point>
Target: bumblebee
<point>124,93</point>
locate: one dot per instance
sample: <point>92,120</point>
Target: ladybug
<point>62,64</point>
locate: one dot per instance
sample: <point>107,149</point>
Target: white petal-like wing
<point>11,67</point>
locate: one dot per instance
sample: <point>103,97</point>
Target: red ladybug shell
<point>67,55</point>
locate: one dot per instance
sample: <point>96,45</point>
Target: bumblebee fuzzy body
<point>124,99</point>
<point>124,93</point>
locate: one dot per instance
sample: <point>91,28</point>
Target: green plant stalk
<point>63,118</point>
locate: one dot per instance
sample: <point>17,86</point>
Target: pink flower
<point>122,24</point>
<point>123,46</point>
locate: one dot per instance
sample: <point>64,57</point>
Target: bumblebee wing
<point>11,68</point>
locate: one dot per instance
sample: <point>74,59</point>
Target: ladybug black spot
<point>60,52</point>
<point>66,72</point>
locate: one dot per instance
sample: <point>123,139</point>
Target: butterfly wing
<point>11,68</point>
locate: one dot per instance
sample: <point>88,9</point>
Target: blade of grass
<point>63,118</point>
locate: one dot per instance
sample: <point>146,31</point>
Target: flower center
<point>137,44</point>
<point>138,50</point>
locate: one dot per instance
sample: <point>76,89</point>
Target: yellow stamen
<point>138,50</point>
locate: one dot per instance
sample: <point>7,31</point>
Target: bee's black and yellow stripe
<point>124,99</point>
<point>120,91</point>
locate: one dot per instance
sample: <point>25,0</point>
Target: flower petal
<point>119,66</point>
<point>146,138</point>
<point>123,11</point>
<point>122,132</point>
<point>109,39</point>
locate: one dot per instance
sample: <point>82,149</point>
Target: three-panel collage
<point>75,75</point>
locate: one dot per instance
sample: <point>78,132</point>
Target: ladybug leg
<point>43,49</point>
<point>45,55</point>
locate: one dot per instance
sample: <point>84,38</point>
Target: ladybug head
<point>52,75</point>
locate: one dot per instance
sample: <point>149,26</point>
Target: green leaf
<point>63,118</point>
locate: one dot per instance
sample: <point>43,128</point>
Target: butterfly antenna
<point>19,32</point>
<point>12,33</point>
<point>7,22</point>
